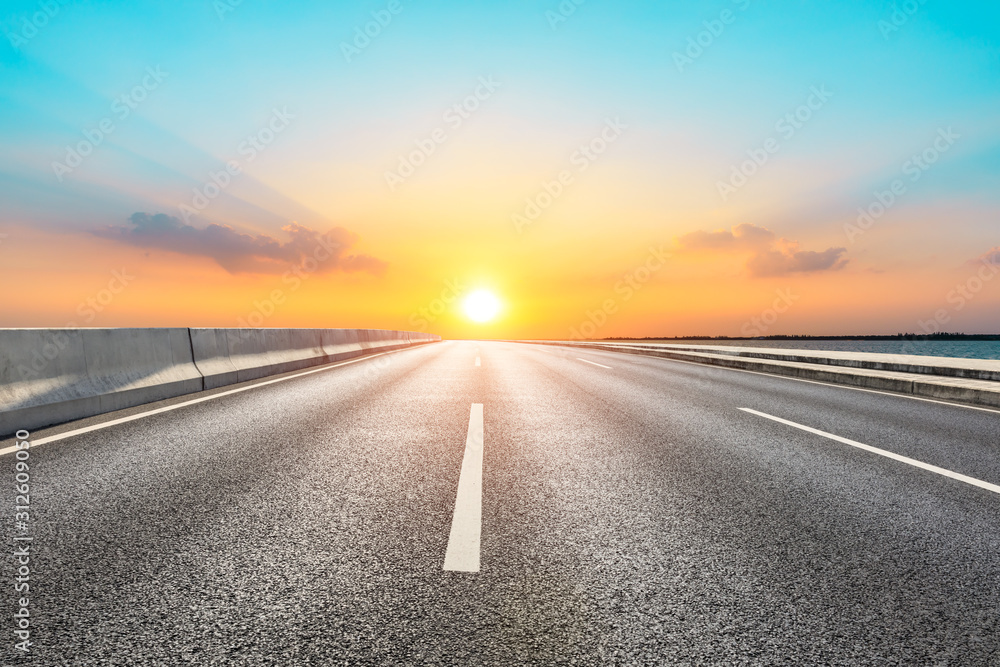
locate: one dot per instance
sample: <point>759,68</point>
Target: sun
<point>481,306</point>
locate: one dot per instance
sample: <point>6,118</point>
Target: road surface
<point>631,510</point>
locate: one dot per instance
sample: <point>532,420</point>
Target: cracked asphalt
<point>632,515</point>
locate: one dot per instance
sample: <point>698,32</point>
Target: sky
<point>732,167</point>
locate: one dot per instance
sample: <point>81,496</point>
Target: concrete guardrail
<point>51,376</point>
<point>969,381</point>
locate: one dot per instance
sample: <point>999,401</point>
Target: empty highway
<point>492,503</point>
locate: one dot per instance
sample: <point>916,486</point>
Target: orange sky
<point>692,293</point>
<point>598,185</point>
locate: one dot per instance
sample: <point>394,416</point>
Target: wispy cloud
<point>769,255</point>
<point>239,252</point>
<point>738,238</point>
<point>988,257</point>
<point>791,260</point>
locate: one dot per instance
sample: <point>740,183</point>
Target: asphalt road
<point>632,513</point>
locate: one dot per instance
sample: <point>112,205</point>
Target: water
<point>972,349</point>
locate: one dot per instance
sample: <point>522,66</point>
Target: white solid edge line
<point>466,523</point>
<point>824,384</point>
<point>592,362</point>
<point>881,452</point>
<point>177,406</point>
<point>478,362</point>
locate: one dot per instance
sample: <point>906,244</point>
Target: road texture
<point>631,513</point>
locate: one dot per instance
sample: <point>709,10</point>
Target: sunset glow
<point>481,306</point>
<point>620,169</point>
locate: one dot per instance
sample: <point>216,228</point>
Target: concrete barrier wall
<point>974,369</point>
<point>43,375</point>
<point>51,376</point>
<point>951,387</point>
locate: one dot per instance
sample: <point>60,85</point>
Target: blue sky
<point>898,73</point>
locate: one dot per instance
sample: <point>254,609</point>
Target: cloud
<point>769,255</point>
<point>740,236</point>
<point>238,252</point>
<point>989,257</point>
<point>782,261</point>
